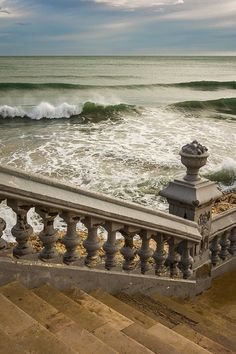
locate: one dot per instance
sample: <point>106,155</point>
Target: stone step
<point>149,307</point>
<point>208,313</point>
<point>123,308</point>
<point>8,345</point>
<point>149,336</point>
<point>176,340</point>
<point>201,340</point>
<point>27,332</point>
<point>123,343</point>
<point>100,328</point>
<point>220,299</point>
<point>157,345</point>
<point>56,322</point>
<point>197,322</point>
<point>117,320</point>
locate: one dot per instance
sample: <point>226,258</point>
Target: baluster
<point>109,246</point>
<point>186,261</point>
<point>232,238</point>
<point>160,254</point>
<point>224,242</point>
<point>145,252</point>
<point>173,257</point>
<point>3,243</point>
<point>128,251</point>
<point>92,243</point>
<point>49,235</point>
<point>22,230</point>
<point>215,250</point>
<point>71,239</point>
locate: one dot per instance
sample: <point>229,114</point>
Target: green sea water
<point>116,124</point>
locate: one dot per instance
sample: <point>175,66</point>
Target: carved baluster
<point>49,235</point>
<point>232,238</point>
<point>128,251</point>
<point>215,250</point>
<point>71,239</point>
<point>186,261</point>
<point>224,242</point>
<point>22,230</point>
<point>145,252</point>
<point>109,246</point>
<point>160,254</point>
<point>173,257</point>
<point>3,243</point>
<point>92,243</point>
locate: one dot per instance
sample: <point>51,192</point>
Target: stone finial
<point>193,156</point>
<point>194,148</point>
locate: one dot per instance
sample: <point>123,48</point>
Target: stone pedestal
<point>191,197</point>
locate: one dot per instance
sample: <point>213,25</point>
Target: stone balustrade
<point>223,237</point>
<point>173,245</point>
<point>51,198</point>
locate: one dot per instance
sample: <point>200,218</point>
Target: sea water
<point>116,124</point>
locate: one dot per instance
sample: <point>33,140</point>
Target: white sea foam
<point>47,110</point>
<point>43,110</point>
<point>8,111</point>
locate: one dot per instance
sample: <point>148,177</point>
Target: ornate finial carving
<point>194,148</point>
<point>193,156</point>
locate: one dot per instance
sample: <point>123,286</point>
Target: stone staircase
<point>45,320</point>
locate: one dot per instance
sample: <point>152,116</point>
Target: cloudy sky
<point>103,27</point>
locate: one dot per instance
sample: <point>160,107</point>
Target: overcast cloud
<point>103,27</point>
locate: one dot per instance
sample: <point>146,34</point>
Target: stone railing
<point>223,237</point>
<point>183,241</point>
<point>51,198</point>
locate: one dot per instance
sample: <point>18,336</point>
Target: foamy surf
<point>45,110</point>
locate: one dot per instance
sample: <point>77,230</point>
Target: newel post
<point>191,197</point>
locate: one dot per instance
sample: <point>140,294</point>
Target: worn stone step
<point>56,322</point>
<point>99,327</point>
<point>8,345</point>
<point>157,345</point>
<point>197,322</point>
<point>177,340</point>
<point>69,307</point>
<point>121,342</point>
<point>123,308</point>
<point>201,340</point>
<point>146,305</point>
<point>113,317</point>
<point>149,306</point>
<point>220,299</point>
<point>208,313</point>
<point>27,332</point>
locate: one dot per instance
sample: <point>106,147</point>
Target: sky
<point>117,27</point>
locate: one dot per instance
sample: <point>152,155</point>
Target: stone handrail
<point>223,221</point>
<point>223,237</point>
<point>50,198</point>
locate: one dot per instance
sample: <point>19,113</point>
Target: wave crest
<point>84,112</point>
<point>222,105</point>
<point>225,174</point>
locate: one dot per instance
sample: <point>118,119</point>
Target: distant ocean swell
<point>194,85</point>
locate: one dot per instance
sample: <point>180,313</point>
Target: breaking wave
<point>194,85</point>
<point>84,112</point>
<point>225,174</point>
<point>222,105</point>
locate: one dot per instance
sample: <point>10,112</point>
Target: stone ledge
<point>33,274</point>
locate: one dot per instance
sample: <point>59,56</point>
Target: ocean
<point>116,124</point>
